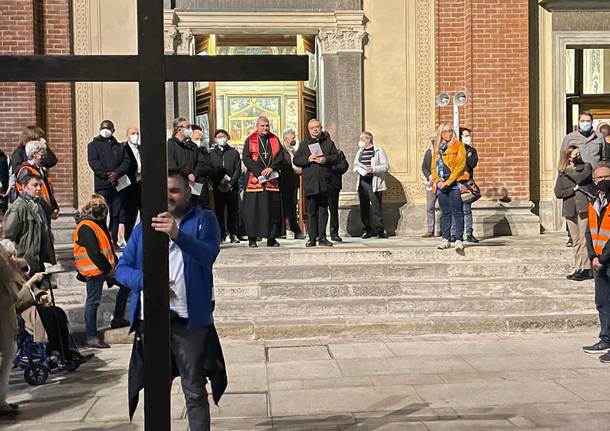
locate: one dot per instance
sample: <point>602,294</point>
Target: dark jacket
<point>133,163</point>
<point>182,156</point>
<point>4,176</point>
<point>472,159</point>
<point>338,169</point>
<point>226,161</point>
<point>426,164</point>
<point>19,157</point>
<point>205,169</point>
<point>107,155</point>
<point>574,202</point>
<point>316,177</point>
<point>87,238</point>
<point>604,257</point>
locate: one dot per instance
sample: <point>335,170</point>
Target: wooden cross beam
<point>152,69</point>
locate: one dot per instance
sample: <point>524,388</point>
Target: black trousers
<point>602,302</point>
<point>228,203</point>
<point>115,203</point>
<point>120,303</point>
<point>333,208</point>
<point>289,205</point>
<point>55,324</point>
<point>317,216</point>
<point>188,348</point>
<point>370,208</point>
<point>132,205</point>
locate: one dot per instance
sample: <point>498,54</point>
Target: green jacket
<point>26,224</point>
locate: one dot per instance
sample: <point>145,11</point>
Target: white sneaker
<point>444,245</point>
<point>289,234</point>
<point>459,246</point>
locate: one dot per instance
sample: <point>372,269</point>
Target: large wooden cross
<point>152,69</point>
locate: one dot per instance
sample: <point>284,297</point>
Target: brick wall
<point>482,47</point>
<point>24,30</point>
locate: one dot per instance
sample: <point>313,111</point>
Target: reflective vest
<point>600,234</point>
<point>253,185</point>
<point>84,265</point>
<point>45,191</point>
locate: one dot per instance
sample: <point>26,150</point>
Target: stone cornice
<point>341,39</point>
<point>575,5</point>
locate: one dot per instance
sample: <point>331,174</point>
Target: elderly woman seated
<point>45,322</point>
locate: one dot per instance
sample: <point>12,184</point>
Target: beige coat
<point>9,295</point>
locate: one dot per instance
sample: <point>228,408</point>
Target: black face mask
<point>603,186</point>
<point>578,160</point>
<point>100,212</point>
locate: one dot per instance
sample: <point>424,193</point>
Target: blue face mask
<point>585,126</point>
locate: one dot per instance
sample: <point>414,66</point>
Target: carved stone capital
<point>184,38</point>
<point>170,39</point>
<point>341,39</point>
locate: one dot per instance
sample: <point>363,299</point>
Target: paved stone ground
<point>526,381</point>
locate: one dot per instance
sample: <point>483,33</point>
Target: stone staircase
<point>400,285</point>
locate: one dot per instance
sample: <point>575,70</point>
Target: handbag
<point>470,192</point>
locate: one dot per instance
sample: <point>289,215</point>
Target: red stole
<point>253,185</point>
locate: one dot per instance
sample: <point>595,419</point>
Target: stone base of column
<point>489,218</point>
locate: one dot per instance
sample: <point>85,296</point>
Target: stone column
<point>342,102</point>
<point>178,97</point>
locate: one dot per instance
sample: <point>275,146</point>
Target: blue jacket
<point>199,241</point>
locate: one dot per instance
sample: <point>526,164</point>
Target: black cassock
<point>262,210</point>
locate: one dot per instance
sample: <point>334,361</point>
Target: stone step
<point>347,327</point>
<point>411,307</point>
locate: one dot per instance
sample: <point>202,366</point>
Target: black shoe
<point>96,343</point>
<point>569,243</point>
<point>452,238</point>
<point>582,275</point>
<point>252,244</point>
<point>382,235</point>
<point>605,358</point>
<point>299,236</point>
<point>325,243</point>
<point>428,235</point>
<point>336,238</point>
<point>119,323</point>
<point>8,412</point>
<point>311,243</point>
<point>366,235</point>
<point>571,276</point>
<point>223,238</point>
<point>234,239</point>
<point>597,348</point>
<point>272,243</point>
<point>471,238</point>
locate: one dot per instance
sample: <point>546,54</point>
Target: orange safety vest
<point>600,234</point>
<point>253,184</point>
<point>82,262</point>
<point>45,193</point>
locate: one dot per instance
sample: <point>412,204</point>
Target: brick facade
<point>482,48</point>
<point>45,30</point>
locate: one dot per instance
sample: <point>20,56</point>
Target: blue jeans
<point>467,220</point>
<point>602,301</point>
<point>94,297</point>
<point>450,202</point>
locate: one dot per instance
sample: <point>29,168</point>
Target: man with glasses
<point>182,153</point>
<point>598,247</point>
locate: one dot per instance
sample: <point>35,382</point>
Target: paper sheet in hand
<point>226,179</point>
<point>123,182</point>
<point>262,179</point>
<point>315,149</point>
<point>196,188</point>
<point>274,175</point>
<point>361,171</point>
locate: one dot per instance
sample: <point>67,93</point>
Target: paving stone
<point>240,405</point>
<point>298,353</point>
<point>247,377</point>
<point>286,385</point>
<point>360,350</point>
<point>493,393</point>
<point>302,370</point>
<point>236,353</point>
<point>587,389</point>
<point>339,382</point>
<point>542,361</point>
<point>406,379</point>
<point>340,400</point>
<point>470,425</point>
<point>406,365</point>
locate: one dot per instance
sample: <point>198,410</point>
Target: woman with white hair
<point>35,152</point>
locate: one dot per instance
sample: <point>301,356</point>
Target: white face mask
<point>188,132</point>
<point>221,141</point>
<point>361,144</point>
<point>134,139</point>
<point>105,133</point>
<point>467,140</point>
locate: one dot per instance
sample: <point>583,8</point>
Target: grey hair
<point>261,118</point>
<point>368,135</point>
<point>10,248</point>
<point>33,147</point>
<point>288,131</point>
